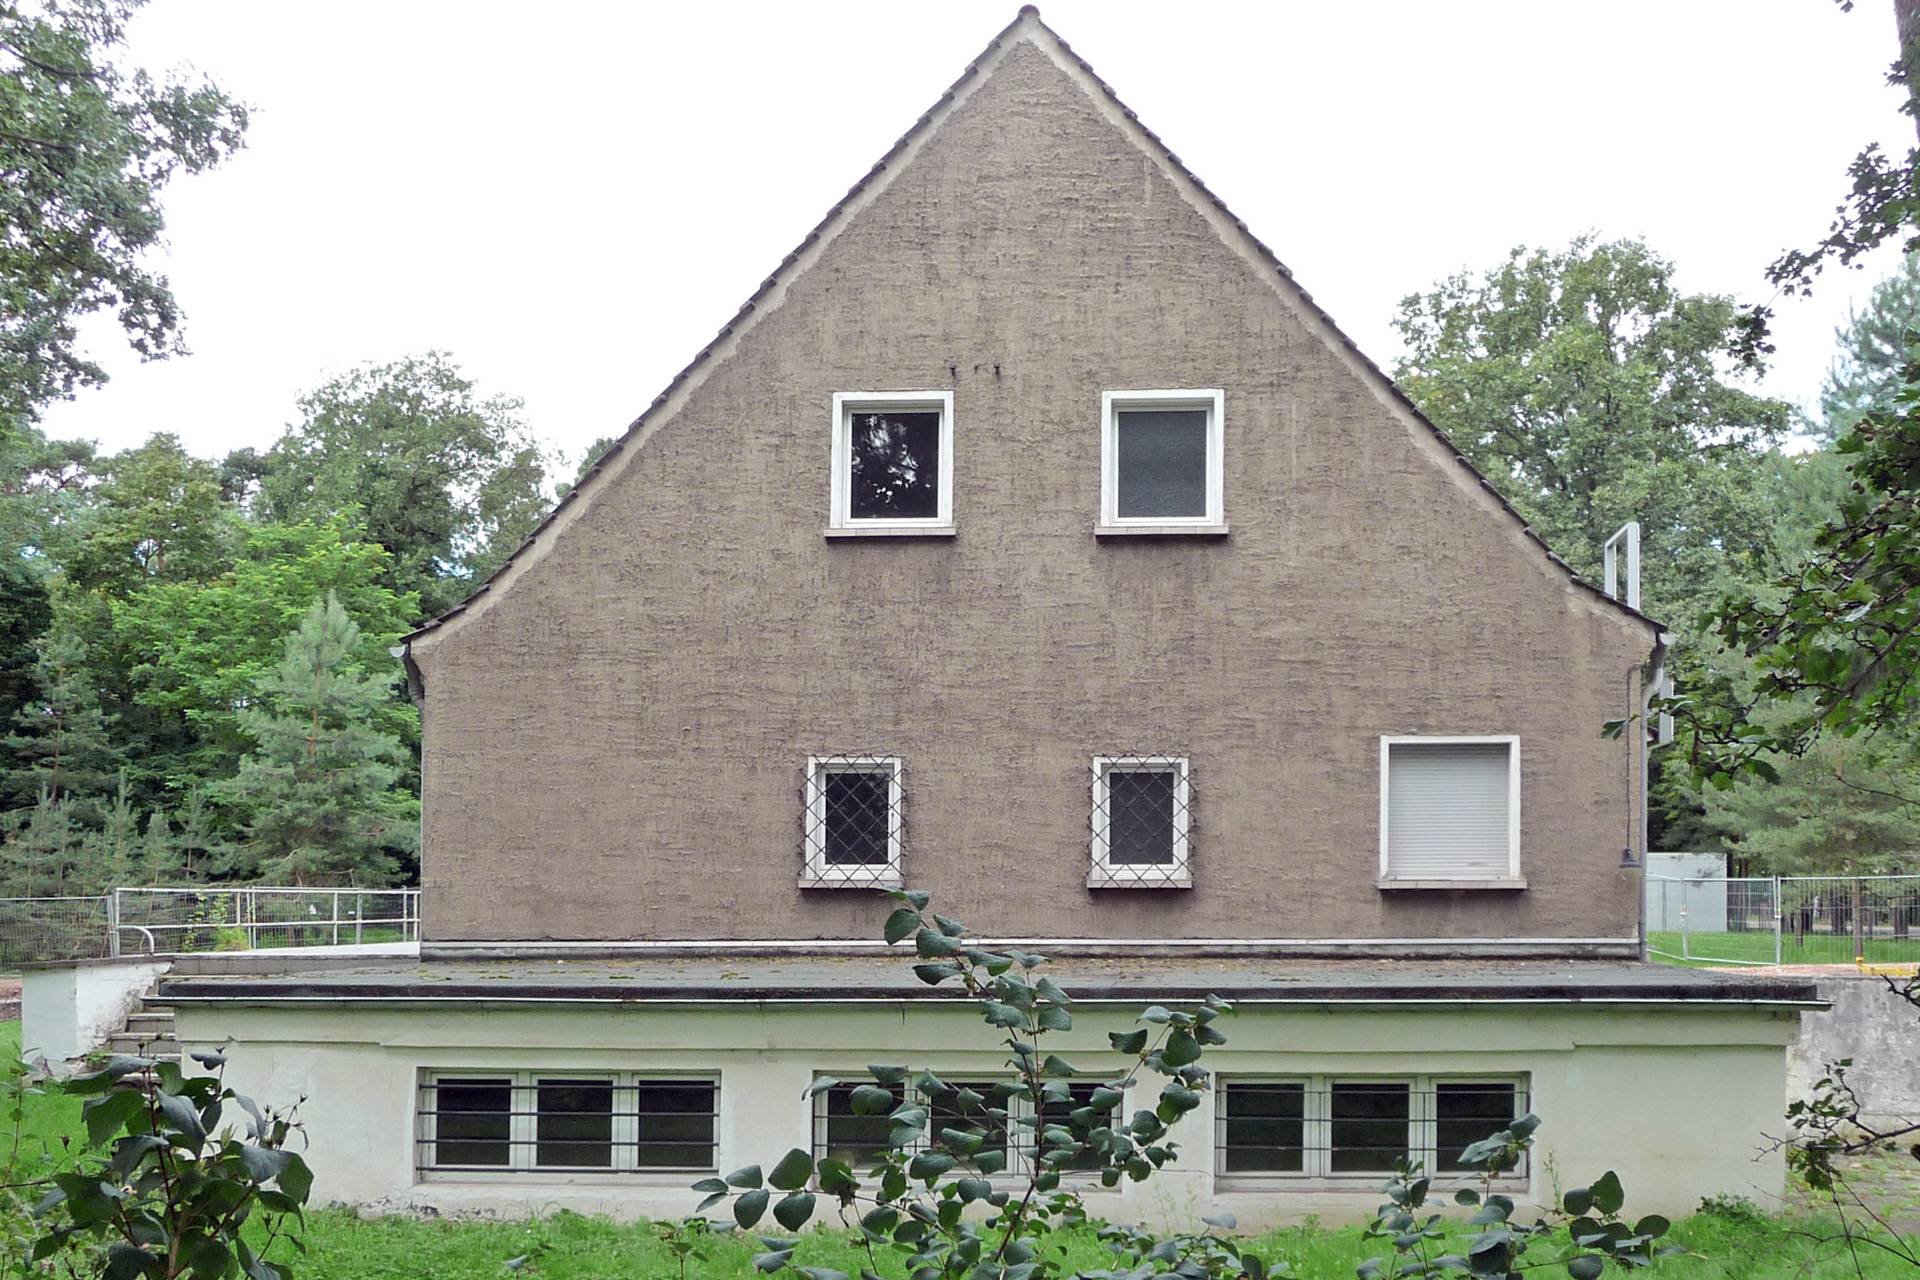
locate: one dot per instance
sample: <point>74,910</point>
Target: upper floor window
<point>853,821</point>
<point>1160,462</point>
<point>1450,811</point>
<point>892,462</point>
<point>1140,826</point>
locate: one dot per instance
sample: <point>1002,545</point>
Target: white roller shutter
<point>1449,810</point>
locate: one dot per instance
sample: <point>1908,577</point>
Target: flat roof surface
<point>891,978</point>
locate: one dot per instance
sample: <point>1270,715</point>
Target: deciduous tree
<point>86,145</point>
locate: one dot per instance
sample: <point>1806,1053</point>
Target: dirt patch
<point>9,999</point>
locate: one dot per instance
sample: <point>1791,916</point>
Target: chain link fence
<point>1784,919</point>
<point>140,921</point>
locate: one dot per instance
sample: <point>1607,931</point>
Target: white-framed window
<point>557,1122</point>
<point>1450,811</point>
<point>1141,822</point>
<point>840,1133</point>
<point>1335,1127</point>
<point>853,822</point>
<point>1161,462</point>
<point>892,463</point>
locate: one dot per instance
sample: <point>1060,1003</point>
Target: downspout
<point>416,683</point>
<point>1654,688</point>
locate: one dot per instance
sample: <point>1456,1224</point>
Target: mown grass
<point>1757,948</point>
<point>566,1246</point>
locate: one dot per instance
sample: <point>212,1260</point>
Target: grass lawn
<point>565,1246</point>
<point>1724,948</point>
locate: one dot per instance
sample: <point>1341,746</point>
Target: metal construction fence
<point>140,921</point>
<point>1785,919</point>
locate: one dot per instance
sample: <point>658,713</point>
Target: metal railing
<point>1784,919</point>
<point>143,921</point>
<point>210,919</point>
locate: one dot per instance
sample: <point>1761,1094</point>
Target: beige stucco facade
<point>1621,1088</point>
<point>616,730</point>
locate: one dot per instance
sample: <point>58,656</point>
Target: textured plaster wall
<point>615,743</point>
<point>1702,1087</point>
<point>1875,1028</point>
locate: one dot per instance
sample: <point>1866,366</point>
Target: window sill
<point>1484,882</point>
<point>890,531</point>
<point>886,880</point>
<point>1160,530</point>
<point>1100,878</point>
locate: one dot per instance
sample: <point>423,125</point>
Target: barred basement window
<point>1140,822</point>
<point>1330,1128</point>
<point>853,822</point>
<point>542,1122</point>
<point>841,1134</point>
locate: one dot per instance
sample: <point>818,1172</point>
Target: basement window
<point>853,822</point>
<point>1332,1128</point>
<point>1007,1125</point>
<point>892,464</point>
<point>543,1122</point>
<point>1140,821</point>
<point>1161,458</point>
<point>1450,813</point>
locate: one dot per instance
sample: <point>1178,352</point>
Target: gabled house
<point>1031,538</point>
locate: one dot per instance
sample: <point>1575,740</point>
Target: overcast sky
<point>571,198</point>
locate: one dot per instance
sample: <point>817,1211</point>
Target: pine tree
<point>317,799</point>
<point>160,861</point>
<point>1873,344</point>
<point>62,745</point>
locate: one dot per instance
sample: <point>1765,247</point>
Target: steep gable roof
<point>1028,28</point>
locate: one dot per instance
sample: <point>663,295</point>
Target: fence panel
<point>142,921</point>
<point>40,929</point>
<point>1785,919</point>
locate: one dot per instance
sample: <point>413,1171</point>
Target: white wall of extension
<point>1676,1099</point>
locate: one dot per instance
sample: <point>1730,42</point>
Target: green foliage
<point>1873,347</point>
<point>158,517</point>
<point>1585,1233</point>
<point>447,482</point>
<point>200,650</point>
<point>177,1168</point>
<point>316,796</point>
<point>915,1201</point>
<point>1838,809</point>
<point>1590,392</point>
<point>1834,646</point>
<point>86,146</point>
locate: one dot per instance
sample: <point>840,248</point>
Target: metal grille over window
<point>853,821</point>
<point>1141,822</point>
<point>1330,1128</point>
<point>841,1133</point>
<point>533,1122</point>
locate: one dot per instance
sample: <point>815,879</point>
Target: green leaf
<point>1577,1202</point>
<point>936,972</point>
<point>872,1100</point>
<point>836,1177</point>
<point>1587,1266</point>
<point>124,1262</point>
<point>296,1180</point>
<point>1181,1049</point>
<point>888,1075</point>
<point>1057,1066</point>
<point>1002,1015</point>
<point>750,1206</point>
<point>918,898</point>
<point>179,1113</point>
<point>1466,1195</point>
<point>794,1210</point>
<point>1053,1017</point>
<point>1129,1042</point>
<point>1607,1193</point>
<point>747,1179</point>
<point>106,1115</point>
<point>1156,1014</point>
<point>929,1165</point>
<point>772,1260</point>
<point>901,925</point>
<point>952,928</point>
<point>932,945</point>
<point>1653,1226</point>
<point>264,1164</point>
<point>793,1171</point>
<point>210,1259</point>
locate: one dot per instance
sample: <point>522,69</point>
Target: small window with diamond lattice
<point>1141,826</point>
<point>853,826</point>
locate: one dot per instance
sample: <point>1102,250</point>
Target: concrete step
<point>151,1023</point>
<point>144,1046</point>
